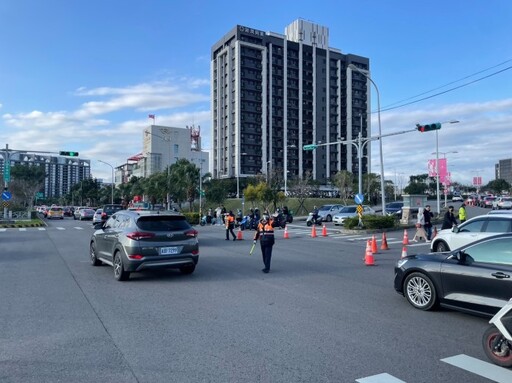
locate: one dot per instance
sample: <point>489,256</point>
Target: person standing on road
<point>420,227</point>
<point>230,225</point>
<point>427,217</point>
<point>462,213</point>
<point>449,220</point>
<point>265,233</point>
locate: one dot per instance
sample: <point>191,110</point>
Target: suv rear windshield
<point>111,209</point>
<point>163,223</point>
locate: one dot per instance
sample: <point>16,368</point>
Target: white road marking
<point>380,378</point>
<point>60,228</point>
<point>479,367</point>
<point>22,229</point>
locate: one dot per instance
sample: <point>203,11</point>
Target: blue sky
<point>84,75</point>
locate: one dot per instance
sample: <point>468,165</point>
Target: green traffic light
<point>69,154</point>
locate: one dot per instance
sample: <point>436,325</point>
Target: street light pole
<point>112,196</point>
<point>266,166</point>
<point>382,188</point>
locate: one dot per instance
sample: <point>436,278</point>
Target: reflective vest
<point>462,214</point>
<point>265,233</point>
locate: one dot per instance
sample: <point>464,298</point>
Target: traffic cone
<point>286,235</point>
<point>384,245</point>
<point>406,238</point>
<point>404,252</point>
<point>239,235</point>
<point>313,231</point>
<point>374,245</point>
<point>435,232</point>
<point>324,231</point>
<point>369,260</point>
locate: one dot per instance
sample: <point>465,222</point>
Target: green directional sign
<point>7,171</point>
<point>310,147</point>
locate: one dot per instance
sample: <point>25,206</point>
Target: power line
<point>446,91</point>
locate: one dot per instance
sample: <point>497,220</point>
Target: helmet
<point>265,218</point>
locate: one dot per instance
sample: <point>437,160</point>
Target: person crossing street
<point>230,225</point>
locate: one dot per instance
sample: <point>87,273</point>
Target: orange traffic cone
<point>406,238</point>
<point>374,245</point>
<point>435,232</point>
<point>369,260</point>
<point>404,252</point>
<point>239,235</point>
<point>286,235</point>
<point>384,245</point>
<point>313,231</point>
<point>324,231</point>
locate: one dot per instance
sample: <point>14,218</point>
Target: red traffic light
<point>428,127</point>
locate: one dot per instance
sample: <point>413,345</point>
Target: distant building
<point>503,170</point>
<point>61,172</point>
<point>273,93</point>
<point>163,146</point>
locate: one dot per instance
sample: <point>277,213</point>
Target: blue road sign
<point>6,196</point>
<point>359,198</point>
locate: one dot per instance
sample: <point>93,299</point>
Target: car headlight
<point>401,262</point>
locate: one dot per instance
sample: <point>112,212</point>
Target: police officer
<point>230,225</point>
<point>265,233</point>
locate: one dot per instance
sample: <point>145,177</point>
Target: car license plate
<point>169,250</point>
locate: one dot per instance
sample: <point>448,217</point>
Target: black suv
<point>110,209</point>
<point>144,240</point>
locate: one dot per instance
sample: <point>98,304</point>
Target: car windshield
<point>162,223</point>
<point>325,207</point>
<point>348,209</point>
<point>394,205</point>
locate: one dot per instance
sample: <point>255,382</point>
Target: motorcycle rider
<point>315,214</point>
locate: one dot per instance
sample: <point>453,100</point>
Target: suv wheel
<point>92,253</point>
<point>119,273</point>
<point>441,247</point>
<point>189,269</point>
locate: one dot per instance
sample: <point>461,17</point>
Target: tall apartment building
<point>273,93</point>
<point>503,170</point>
<point>61,172</point>
<point>163,146</point>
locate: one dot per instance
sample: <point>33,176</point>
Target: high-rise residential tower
<point>274,93</point>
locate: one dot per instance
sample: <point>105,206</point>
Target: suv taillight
<point>191,233</point>
<point>137,235</point>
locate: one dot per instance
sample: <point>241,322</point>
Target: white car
<point>326,212</point>
<point>96,218</point>
<point>349,212</point>
<point>472,230</point>
<point>502,203</point>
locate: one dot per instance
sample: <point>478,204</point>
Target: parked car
<point>473,229</point>
<point>97,216</point>
<point>326,212</point>
<point>110,209</point>
<point>350,211</point>
<point>394,208</point>
<point>86,214</point>
<point>457,198</point>
<point>474,278</point>
<point>55,212</point>
<point>502,203</point>
<point>131,241</point>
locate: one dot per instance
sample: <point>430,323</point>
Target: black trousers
<point>266,252</point>
<point>230,230</point>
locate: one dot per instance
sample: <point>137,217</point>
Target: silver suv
<point>133,241</point>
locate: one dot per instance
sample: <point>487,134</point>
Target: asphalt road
<point>320,315</point>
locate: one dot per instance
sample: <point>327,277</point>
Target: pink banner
<point>477,181</point>
<point>443,167</point>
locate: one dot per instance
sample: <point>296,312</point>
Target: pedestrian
<point>223,214</point>
<point>449,220</point>
<point>427,217</point>
<point>420,227</point>
<point>229,221</point>
<point>265,233</point>
<point>462,213</point>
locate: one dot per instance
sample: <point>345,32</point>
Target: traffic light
<point>428,127</point>
<point>69,154</point>
<point>310,147</point>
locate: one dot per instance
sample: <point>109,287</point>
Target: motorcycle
<point>310,220</point>
<point>497,339</point>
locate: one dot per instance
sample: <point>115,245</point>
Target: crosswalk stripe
<point>78,228</point>
<point>60,228</point>
<point>380,378</point>
<point>479,367</point>
<point>3,230</point>
<point>41,228</point>
<point>22,229</point>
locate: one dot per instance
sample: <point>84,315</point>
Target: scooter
<point>310,219</point>
<point>497,339</point>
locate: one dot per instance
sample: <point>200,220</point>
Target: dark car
<point>475,278</point>
<point>140,240</point>
<point>109,209</point>
<point>394,208</point>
